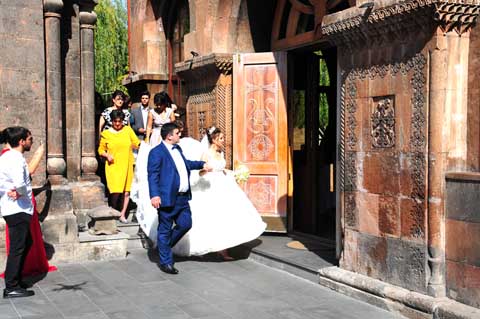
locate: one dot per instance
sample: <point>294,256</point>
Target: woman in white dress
<point>222,215</point>
<point>163,112</point>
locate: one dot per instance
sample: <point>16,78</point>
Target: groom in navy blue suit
<point>169,185</point>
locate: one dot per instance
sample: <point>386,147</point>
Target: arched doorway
<point>312,65</point>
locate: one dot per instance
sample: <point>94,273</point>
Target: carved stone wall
<point>401,132</point>
<point>383,170</point>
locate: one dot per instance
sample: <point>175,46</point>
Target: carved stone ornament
<point>417,158</point>
<point>383,123</point>
<point>356,27</point>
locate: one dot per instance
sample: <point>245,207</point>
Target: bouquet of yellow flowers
<point>241,173</point>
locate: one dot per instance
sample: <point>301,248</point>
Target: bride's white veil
<point>205,143</point>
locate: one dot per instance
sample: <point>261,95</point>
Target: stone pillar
<point>447,146</point>
<point>87,25</point>
<point>436,167</point>
<point>56,165</point>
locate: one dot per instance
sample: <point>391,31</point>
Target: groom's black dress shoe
<point>17,293</point>
<point>169,269</point>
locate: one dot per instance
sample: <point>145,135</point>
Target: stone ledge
<point>92,248</point>
<point>222,61</point>
<point>463,176</point>
<point>393,298</point>
<point>145,77</point>
<point>85,237</point>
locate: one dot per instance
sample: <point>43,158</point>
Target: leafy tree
<point>111,47</point>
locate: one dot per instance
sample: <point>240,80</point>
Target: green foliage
<point>324,81</point>
<point>111,47</point>
<point>299,109</point>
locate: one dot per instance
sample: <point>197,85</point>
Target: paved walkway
<point>135,288</point>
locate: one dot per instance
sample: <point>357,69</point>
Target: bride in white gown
<point>222,215</point>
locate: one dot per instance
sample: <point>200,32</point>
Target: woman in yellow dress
<point>116,145</point>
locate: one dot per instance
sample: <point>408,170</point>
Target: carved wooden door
<point>260,132</point>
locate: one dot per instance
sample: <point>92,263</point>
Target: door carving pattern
<point>260,90</point>
<point>261,132</point>
<point>261,191</point>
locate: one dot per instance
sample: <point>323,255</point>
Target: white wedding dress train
<point>222,215</point>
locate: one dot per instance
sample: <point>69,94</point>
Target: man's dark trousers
<point>20,243</point>
<point>168,237</point>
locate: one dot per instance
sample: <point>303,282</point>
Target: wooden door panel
<point>260,132</point>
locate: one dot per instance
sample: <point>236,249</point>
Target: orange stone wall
<point>384,177</point>
<point>463,237</point>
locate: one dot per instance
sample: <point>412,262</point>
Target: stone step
<point>274,251</point>
<point>284,264</point>
<point>137,237</point>
<point>131,228</point>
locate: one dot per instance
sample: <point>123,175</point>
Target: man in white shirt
<point>16,206</point>
<point>139,117</point>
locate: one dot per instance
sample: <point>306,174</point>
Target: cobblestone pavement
<point>205,288</point>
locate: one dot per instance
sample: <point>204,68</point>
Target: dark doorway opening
<point>312,117</point>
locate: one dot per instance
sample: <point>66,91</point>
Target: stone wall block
<point>60,229</point>
<point>389,216</point>
<point>462,242</point>
<point>463,200</point>
<point>351,210</point>
<point>413,219</point>
<point>87,195</point>
<point>381,85</point>
<point>64,253</point>
<point>406,181</point>
<point>101,250</point>
<point>403,121</point>
<point>463,283</point>
<point>362,88</point>
<point>413,257</point>
<point>350,258</point>
<point>21,22</point>
<point>382,170</point>
<point>19,85</point>
<point>29,53</point>
<point>368,206</point>
<point>59,200</point>
<point>373,251</point>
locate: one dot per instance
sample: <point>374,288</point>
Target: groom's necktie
<point>177,147</point>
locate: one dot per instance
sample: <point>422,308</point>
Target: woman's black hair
<point>161,101</point>
<point>118,93</point>
<point>213,135</point>
<point>117,114</point>
<point>13,135</point>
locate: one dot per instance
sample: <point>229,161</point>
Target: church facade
<point>358,120</point>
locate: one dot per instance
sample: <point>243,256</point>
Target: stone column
<point>56,165</point>
<point>448,100</point>
<point>436,167</point>
<point>87,25</point>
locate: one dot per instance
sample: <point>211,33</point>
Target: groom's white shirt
<point>181,167</point>
<point>14,175</point>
